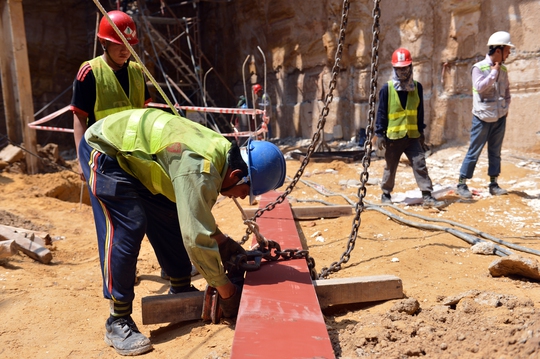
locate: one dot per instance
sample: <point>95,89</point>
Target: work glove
<point>381,143</point>
<point>229,306</point>
<point>228,251</point>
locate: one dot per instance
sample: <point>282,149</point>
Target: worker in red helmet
<point>263,102</point>
<point>400,128</point>
<point>257,89</point>
<point>108,83</point>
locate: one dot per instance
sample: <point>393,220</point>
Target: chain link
<point>364,176</point>
<point>251,261</point>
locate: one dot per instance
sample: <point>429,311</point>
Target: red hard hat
<point>401,58</point>
<point>256,88</point>
<point>125,24</point>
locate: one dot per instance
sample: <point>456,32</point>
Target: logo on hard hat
<point>128,31</point>
<point>401,56</point>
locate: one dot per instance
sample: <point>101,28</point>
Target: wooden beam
<point>16,84</point>
<point>39,236</point>
<point>170,308</point>
<point>188,306</point>
<point>7,248</point>
<point>358,290</point>
<point>279,314</point>
<point>25,245</point>
<point>307,212</point>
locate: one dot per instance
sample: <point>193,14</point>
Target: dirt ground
<point>57,310</point>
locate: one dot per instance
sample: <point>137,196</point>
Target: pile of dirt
<point>12,220</point>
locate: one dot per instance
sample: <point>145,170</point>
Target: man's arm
<point>381,124</point>
<point>420,113</point>
<point>481,82</point>
<point>79,127</point>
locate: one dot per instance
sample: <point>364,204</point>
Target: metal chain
<point>364,177</point>
<point>320,126</point>
<point>336,266</point>
<point>251,261</point>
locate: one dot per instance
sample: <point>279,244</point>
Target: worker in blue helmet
<point>153,173</point>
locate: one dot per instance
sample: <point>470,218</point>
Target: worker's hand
<point>229,306</point>
<point>381,143</point>
<point>229,249</point>
<point>496,66</point>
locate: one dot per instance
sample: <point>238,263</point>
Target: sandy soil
<point>453,307</point>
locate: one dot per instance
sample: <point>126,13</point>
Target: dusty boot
<point>123,335</point>
<point>495,190</point>
<point>386,198</point>
<point>463,191</point>
<point>431,202</point>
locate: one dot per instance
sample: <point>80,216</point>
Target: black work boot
<point>182,289</point>
<point>123,335</point>
<point>431,202</point>
<point>386,198</point>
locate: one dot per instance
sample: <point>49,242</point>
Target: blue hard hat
<point>266,167</point>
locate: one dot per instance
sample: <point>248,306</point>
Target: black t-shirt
<point>84,90</point>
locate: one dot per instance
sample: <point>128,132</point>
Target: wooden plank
<point>39,236</point>
<point>172,308</point>
<point>358,290</point>
<point>25,245</point>
<point>7,249</point>
<point>306,212</point>
<point>279,315</point>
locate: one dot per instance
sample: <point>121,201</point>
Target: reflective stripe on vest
<point>139,135</point>
<point>110,96</point>
<point>402,121</point>
<point>156,171</point>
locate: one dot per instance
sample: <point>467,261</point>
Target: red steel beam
<point>280,315</point>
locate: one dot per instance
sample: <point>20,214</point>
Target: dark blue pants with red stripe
<point>124,212</point>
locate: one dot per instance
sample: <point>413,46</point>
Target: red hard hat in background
<point>125,24</point>
<point>256,88</point>
<point>401,58</point>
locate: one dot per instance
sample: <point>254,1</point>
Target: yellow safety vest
<point>402,121</point>
<point>110,96</point>
<point>138,135</point>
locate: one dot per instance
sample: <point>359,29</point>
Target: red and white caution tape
<point>48,118</point>
<point>235,111</point>
<point>238,111</point>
